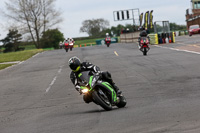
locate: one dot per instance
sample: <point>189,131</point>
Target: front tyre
<point>102,101</point>
<point>145,51</point>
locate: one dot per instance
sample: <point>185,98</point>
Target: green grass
<point>2,66</point>
<point>18,56</point>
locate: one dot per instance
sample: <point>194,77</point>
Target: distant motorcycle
<point>100,92</point>
<point>66,46</point>
<point>108,41</point>
<point>144,45</point>
<point>69,46</point>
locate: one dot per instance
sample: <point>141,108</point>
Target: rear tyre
<point>104,103</point>
<point>66,49</point>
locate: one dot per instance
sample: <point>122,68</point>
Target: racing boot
<point>118,92</point>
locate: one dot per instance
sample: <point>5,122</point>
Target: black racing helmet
<point>74,64</point>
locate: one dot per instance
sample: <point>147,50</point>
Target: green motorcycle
<point>100,92</point>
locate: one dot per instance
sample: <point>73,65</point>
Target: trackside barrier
<point>83,45</point>
<point>102,41</point>
<point>173,37</point>
<point>75,46</point>
<point>162,38</point>
<point>153,38</point>
<point>182,33</point>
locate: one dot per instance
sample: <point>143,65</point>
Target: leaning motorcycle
<point>108,41</point>
<point>98,91</point>
<point>144,45</point>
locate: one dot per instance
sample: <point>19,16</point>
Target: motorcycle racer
<point>78,67</point>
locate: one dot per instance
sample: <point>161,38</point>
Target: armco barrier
<point>114,40</point>
<point>83,45</point>
<point>100,42</point>
<point>182,33</point>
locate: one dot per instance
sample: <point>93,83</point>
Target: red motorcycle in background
<point>144,45</point>
<point>108,41</point>
<point>69,46</point>
<point>66,46</point>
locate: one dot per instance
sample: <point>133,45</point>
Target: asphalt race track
<point>162,91</point>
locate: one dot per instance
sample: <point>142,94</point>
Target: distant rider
<point>61,44</point>
<point>107,35</point>
<point>143,33</point>
<point>78,67</point>
<point>71,40</point>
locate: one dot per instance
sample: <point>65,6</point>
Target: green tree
<point>51,38</point>
<point>117,30</point>
<point>174,26</point>
<point>11,41</point>
<point>33,16</point>
<point>94,27</point>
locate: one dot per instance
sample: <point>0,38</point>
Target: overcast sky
<point>74,12</point>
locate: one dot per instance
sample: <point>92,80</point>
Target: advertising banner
<point>141,17</point>
<point>151,19</point>
<point>146,20</point>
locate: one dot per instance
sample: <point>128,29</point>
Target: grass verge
<point>18,56</point>
<point>2,66</point>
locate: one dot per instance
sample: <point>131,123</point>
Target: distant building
<point>193,14</point>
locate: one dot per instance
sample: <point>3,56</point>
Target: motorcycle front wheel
<point>102,100</point>
<point>145,51</point>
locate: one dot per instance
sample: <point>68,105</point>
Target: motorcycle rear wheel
<point>102,101</point>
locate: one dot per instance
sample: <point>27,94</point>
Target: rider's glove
<point>78,88</point>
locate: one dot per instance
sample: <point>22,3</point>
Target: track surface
<point>162,91</point>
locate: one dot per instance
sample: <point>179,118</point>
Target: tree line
<point>33,20</point>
